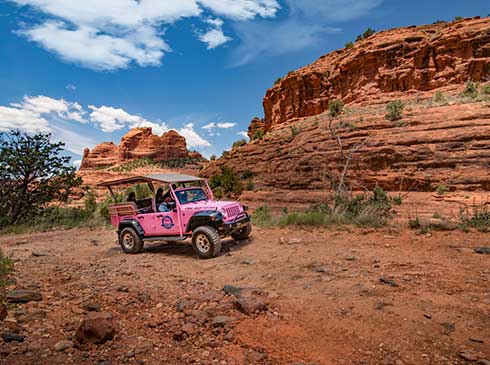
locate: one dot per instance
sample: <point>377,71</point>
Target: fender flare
<point>211,218</point>
<point>133,223</point>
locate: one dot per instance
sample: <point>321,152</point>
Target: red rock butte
<point>138,143</point>
<point>435,142</point>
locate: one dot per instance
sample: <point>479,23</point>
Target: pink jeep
<point>186,209</point>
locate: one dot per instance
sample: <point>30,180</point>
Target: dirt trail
<point>326,303</point>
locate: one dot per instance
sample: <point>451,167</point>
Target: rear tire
<point>243,233</point>
<point>206,242</point>
<point>130,241</point>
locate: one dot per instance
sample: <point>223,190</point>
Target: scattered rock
<point>92,307</point>
<point>478,340</point>
<point>289,241</point>
<point>185,304</point>
<point>232,290</point>
<point>483,250</point>
<point>320,269</point>
<point>248,262</point>
<point>189,329</point>
<point>387,281</point>
<point>94,242</point>
<point>350,258</point>
<point>24,296</point>
<point>96,327</point>
<point>483,362</point>
<point>38,254</point>
<point>3,311</point>
<point>11,336</point>
<point>468,355</point>
<point>221,321</point>
<point>448,327</point>
<point>250,305</point>
<point>428,316</point>
<point>63,345</point>
<point>255,356</point>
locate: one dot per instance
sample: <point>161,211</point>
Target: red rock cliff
<point>137,143</point>
<point>399,60</point>
<point>444,142</point>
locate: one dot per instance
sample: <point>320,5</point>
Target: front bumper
<point>240,221</point>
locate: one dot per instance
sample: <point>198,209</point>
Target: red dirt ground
<point>326,302</point>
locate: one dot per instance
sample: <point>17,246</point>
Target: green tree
<point>33,173</point>
<point>238,144</point>
<point>335,107</point>
<point>349,45</point>
<point>394,110</point>
<point>368,33</point>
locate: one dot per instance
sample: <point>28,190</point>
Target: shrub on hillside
<point>258,135</point>
<point>368,33</point>
<point>349,45</point>
<point>394,110</point>
<point>238,144</point>
<point>335,107</point>
<point>485,89</point>
<point>439,97</point>
<point>278,80</point>
<point>478,218</point>
<point>226,183</point>
<point>470,90</point>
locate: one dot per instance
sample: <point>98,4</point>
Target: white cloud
<point>214,37</point>
<point>70,87</point>
<point>112,119</point>
<point>113,34</point>
<point>31,115</point>
<point>225,125</point>
<point>192,137</point>
<point>221,125</point>
<point>335,10</point>
<point>77,163</point>
<point>243,134</point>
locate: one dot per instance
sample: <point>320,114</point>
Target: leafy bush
<point>372,211</point>
<point>335,107</point>
<point>439,97</point>
<point>258,135</point>
<point>90,201</point>
<point>278,80</point>
<point>294,131</point>
<point>247,174</point>
<point>470,90</point>
<point>227,182</point>
<point>238,144</point>
<point>485,89</point>
<point>249,186</point>
<point>349,45</point>
<point>441,189</point>
<point>478,218</point>
<point>394,110</point>
<point>6,267</point>
<point>368,33</point>
<point>212,157</point>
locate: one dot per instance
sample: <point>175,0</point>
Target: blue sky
<point>87,71</point>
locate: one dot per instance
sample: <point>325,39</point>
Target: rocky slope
<point>136,144</point>
<point>436,143</point>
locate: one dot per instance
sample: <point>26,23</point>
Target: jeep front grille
<point>232,211</point>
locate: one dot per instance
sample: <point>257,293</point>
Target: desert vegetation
<point>152,163</point>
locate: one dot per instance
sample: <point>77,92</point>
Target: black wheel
<point>206,242</point>
<point>243,233</point>
<point>130,241</point>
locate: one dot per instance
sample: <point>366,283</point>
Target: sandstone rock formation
<point>435,143</point>
<point>136,144</point>
<point>399,60</point>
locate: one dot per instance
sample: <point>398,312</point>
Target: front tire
<point>130,241</point>
<point>206,242</point>
<point>243,233</point>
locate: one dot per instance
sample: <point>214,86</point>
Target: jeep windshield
<point>191,195</point>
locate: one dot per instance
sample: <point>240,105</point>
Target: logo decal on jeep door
<point>167,222</point>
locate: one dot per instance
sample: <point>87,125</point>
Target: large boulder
<point>24,296</point>
<point>96,328</point>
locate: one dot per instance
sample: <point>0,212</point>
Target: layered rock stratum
<point>138,143</point>
<point>438,141</point>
